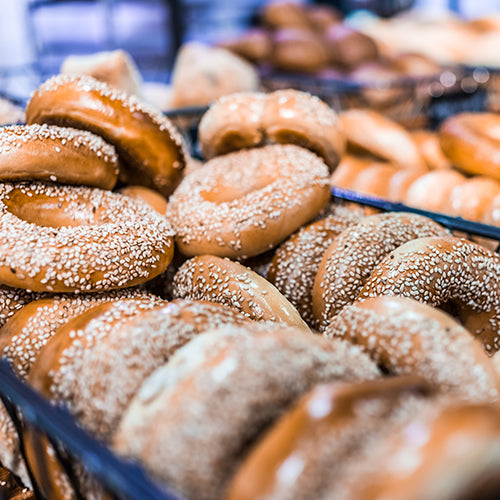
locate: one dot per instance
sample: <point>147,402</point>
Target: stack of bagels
<point>295,348</point>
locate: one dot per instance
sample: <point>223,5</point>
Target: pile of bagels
<point>226,325</point>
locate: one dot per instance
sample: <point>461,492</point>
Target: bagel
<point>244,203</point>
<point>240,379</point>
<point>207,277</point>
<point>350,259</point>
<point>472,142</point>
<point>445,272</point>
<point>404,336</point>
<point>372,132</point>
<point>154,199</point>
<point>56,154</point>
<point>283,117</point>
<point>151,150</point>
<point>68,238</point>
<point>295,263</point>
<point>305,454</point>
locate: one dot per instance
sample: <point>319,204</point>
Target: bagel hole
<point>292,137</point>
<point>234,141</point>
<point>46,211</point>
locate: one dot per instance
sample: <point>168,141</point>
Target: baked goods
<point>154,199</point>
<point>295,263</point>
<point>202,74</point>
<point>115,68</point>
<point>427,142</point>
<point>211,278</point>
<point>432,191</point>
<point>56,154</point>
<point>13,299</point>
<point>404,336</point>
<point>445,272</point>
<point>473,198</point>
<point>241,381</point>
<point>298,50</point>
<point>68,238</point>
<point>150,149</point>
<point>392,438</point>
<point>244,203</point>
<point>472,142</point>
<point>306,453</point>
<point>354,254</point>
<point>373,133</point>
<point>26,333</point>
<point>349,48</point>
<point>281,117</point>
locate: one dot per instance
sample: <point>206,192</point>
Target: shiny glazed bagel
<point>211,278</point>
<point>244,203</point>
<point>445,272</point>
<point>284,117</point>
<point>56,154</point>
<point>404,336</point>
<point>66,239</point>
<point>151,150</point>
<point>241,380</point>
<point>472,142</point>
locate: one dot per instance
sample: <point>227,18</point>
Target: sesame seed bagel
<point>445,272</point>
<point>283,117</point>
<point>57,154</point>
<point>151,150</point>
<point>404,336</point>
<point>23,337</point>
<point>207,277</point>
<point>244,203</point>
<point>472,142</point>
<point>56,360</point>
<point>97,362</point>
<point>305,452</point>
<point>13,299</point>
<point>67,238</point>
<point>371,132</point>
<point>219,393</point>
<point>24,334</point>
<point>296,261</point>
<point>354,253</point>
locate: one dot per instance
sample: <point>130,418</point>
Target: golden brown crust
<point>154,199</point>
<point>431,191</point>
<point>244,203</point>
<point>473,198</point>
<point>68,238</point>
<point>284,117</point>
<point>56,154</point>
<point>445,272</point>
<point>150,148</point>
<point>226,282</point>
<point>380,136</point>
<point>428,144</point>
<point>471,141</point>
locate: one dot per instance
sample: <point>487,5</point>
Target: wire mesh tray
<point>413,102</point>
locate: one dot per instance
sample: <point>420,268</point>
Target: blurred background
<point>36,35</point>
